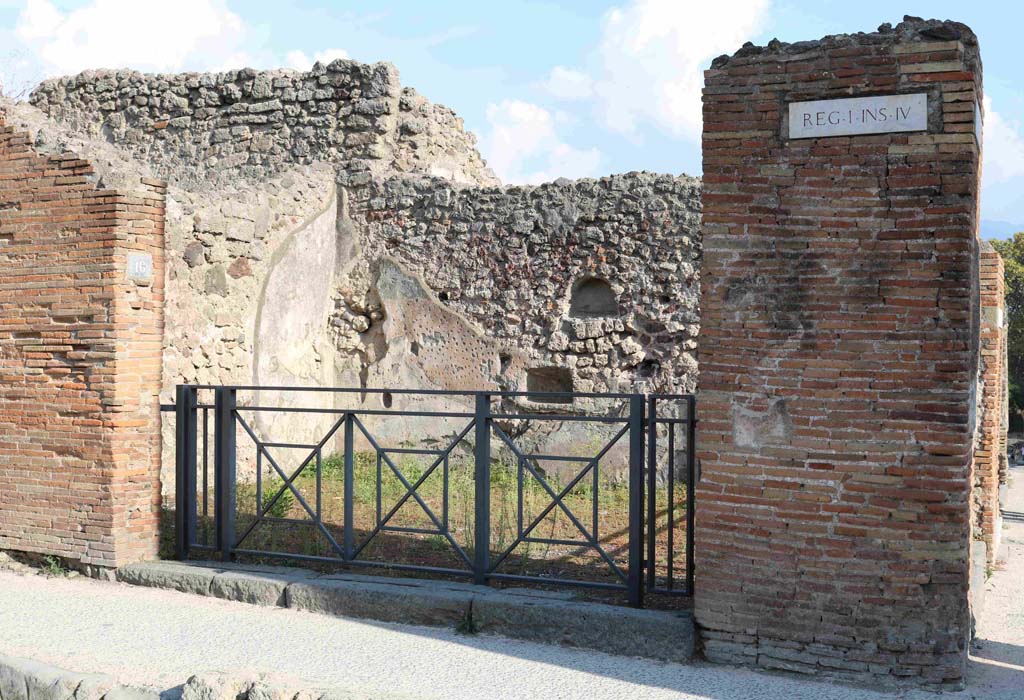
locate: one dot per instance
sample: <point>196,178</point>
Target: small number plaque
<point>140,267</point>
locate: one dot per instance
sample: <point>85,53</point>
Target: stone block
<point>417,602</point>
<point>653,634</point>
<point>258,587</point>
<point>188,578</point>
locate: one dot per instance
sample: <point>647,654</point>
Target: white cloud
<point>569,84</point>
<point>523,146</point>
<point>300,61</point>
<point>1003,147</point>
<point>651,61</point>
<point>185,34</point>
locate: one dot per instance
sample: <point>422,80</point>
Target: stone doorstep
<point>24,679</point>
<point>536,616</point>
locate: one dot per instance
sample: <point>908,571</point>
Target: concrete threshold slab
<point>531,615</point>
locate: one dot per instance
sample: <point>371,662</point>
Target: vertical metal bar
<point>593,504</point>
<point>319,485</point>
<point>691,487</point>
<point>224,469</point>
<point>671,505</point>
<point>184,470</point>
<point>380,487</point>
<point>636,500</point>
<point>259,480</point>
<point>482,477</point>
<point>444,496</point>
<point>349,505</point>
<point>652,493</point>
<point>519,505</point>
<point>206,463</point>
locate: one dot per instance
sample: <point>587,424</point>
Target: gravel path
<point>158,638</point>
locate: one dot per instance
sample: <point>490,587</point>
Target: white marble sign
<point>858,115</point>
<point>140,267</point>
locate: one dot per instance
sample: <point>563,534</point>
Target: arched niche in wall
<point>593,297</point>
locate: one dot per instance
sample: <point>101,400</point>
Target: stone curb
<point>536,616</point>
<point>24,679</point>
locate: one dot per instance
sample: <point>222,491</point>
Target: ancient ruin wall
<point>595,277</point>
<point>198,127</point>
<point>990,442</point>
<point>79,355</point>
<point>334,228</point>
<point>838,361</point>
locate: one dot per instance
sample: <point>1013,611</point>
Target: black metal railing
<point>638,456</point>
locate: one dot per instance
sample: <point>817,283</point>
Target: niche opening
<point>543,379</point>
<point>593,298</point>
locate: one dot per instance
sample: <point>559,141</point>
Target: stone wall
<point>838,360</point>
<point>79,357</point>
<point>990,443</point>
<point>512,260</point>
<point>197,127</point>
<point>333,228</point>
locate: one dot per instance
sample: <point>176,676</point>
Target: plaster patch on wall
<point>757,427</point>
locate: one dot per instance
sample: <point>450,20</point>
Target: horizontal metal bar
<point>287,521</point>
<point>342,390</point>
<point>559,581</point>
<point>423,392</point>
<point>412,451</point>
<point>412,530</point>
<point>289,445</point>
<point>359,412</point>
<point>559,458</point>
<point>357,562</point>
<point>560,417</point>
<point>564,543</point>
<point>170,407</point>
<point>412,567</point>
<point>677,421</point>
<point>207,547</point>
<point>557,394</point>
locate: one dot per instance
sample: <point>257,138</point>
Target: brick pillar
<point>81,321</point>
<point>990,443</point>
<point>838,356</point>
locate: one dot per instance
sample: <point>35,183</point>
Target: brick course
<point>839,325</point>
<point>80,348</point>
<point>990,444</point>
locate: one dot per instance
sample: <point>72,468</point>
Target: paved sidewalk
<point>157,638</point>
<point>997,655</point>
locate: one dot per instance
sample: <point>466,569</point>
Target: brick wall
<point>79,359</point>
<point>990,443</point>
<point>839,323</point>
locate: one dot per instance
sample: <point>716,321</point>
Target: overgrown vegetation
<point>53,566</point>
<point>418,539</point>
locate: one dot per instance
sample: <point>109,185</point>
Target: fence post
<point>482,480</point>
<point>652,484</point>
<point>691,487</point>
<point>636,501</point>
<point>224,469</point>
<point>349,505</point>
<point>184,469</point>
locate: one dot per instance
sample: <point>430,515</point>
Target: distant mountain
<point>998,229</point>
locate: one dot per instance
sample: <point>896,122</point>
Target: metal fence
<point>618,530</point>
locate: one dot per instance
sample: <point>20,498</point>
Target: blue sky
<point>573,88</point>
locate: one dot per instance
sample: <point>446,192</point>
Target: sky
<point>577,88</point>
